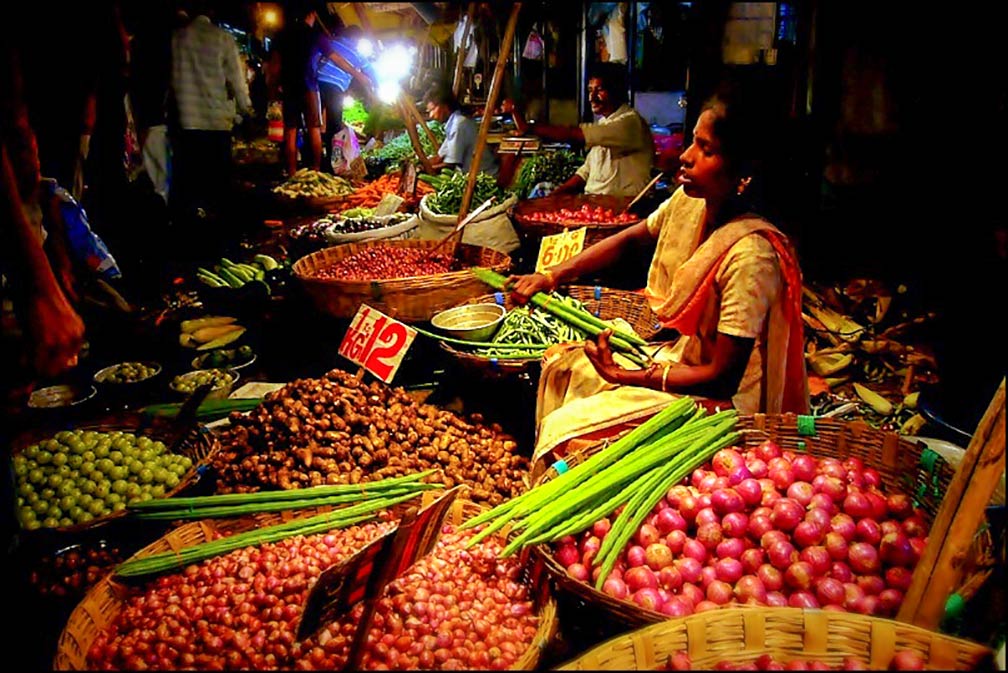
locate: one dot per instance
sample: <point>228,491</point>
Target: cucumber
<point>232,280</point>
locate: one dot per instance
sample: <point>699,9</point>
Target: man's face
<point>438,112</point>
<point>598,97</point>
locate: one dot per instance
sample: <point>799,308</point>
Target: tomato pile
<point>586,214</point>
<point>384,262</point>
<point>455,608</point>
<point>765,527</point>
<point>903,660</point>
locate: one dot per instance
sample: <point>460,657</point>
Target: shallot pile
<point>384,262</point>
<point>454,609</point>
<point>766,527</point>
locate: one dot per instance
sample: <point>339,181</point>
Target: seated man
<point>460,133</point>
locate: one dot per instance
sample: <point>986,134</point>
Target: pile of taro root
<point>338,430</point>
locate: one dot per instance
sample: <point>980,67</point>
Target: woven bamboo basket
<point>602,302</point>
<point>413,299</point>
<point>902,464</point>
<point>198,444</point>
<point>105,600</point>
<point>741,636</point>
<point>596,231</point>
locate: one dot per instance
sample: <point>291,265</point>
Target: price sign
<point>376,342</point>
<point>559,248</point>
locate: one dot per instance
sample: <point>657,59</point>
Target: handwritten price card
<point>376,342</point>
<point>560,247</point>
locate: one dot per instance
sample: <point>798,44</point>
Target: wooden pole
<point>414,138</point>
<point>411,108</point>
<point>460,57</point>
<point>491,103</point>
<point>940,567</point>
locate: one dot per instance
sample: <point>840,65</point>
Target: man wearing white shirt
<point>621,149</point>
<point>461,132</point>
<point>208,84</point>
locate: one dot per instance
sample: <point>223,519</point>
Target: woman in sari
<point>725,279</point>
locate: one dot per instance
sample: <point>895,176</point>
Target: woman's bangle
<point>664,377</point>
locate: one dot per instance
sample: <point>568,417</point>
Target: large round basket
<point>413,299</point>
<point>105,600</point>
<point>198,445</point>
<point>602,302</point>
<point>740,636</point>
<point>904,466</point>
<point>524,210</point>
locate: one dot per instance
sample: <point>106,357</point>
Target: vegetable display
<point>384,262</point>
<point>71,572</point>
<point>400,147</point>
<point>556,167</point>
<point>355,224</point>
<point>209,332</point>
<point>371,194</point>
<point>760,526</point>
<point>450,186</point>
<point>79,475</point>
<point>338,430</point>
<point>315,184</point>
<point>128,372</point>
<point>189,382</point>
<point>453,609</point>
<point>586,214</point>
<point>237,274</point>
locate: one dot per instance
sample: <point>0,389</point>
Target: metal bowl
<point>61,396</point>
<point>201,361</point>
<point>472,322</point>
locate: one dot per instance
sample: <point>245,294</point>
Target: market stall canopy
<point>433,21</point>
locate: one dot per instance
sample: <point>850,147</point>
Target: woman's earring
<point>743,183</point>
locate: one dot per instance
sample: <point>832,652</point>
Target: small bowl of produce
<point>226,358</point>
<point>126,373</point>
<point>223,381</point>
<point>63,396</point>
<point>471,322</point>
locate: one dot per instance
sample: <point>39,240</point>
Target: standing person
<point>460,133</point>
<point>725,278</point>
<point>621,149</point>
<point>207,84</point>
<point>299,87</point>
<point>339,65</point>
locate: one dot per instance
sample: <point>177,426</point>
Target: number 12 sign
<point>376,342</point>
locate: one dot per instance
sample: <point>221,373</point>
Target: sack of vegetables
<point>490,229</point>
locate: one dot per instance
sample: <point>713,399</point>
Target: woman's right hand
<point>523,287</point>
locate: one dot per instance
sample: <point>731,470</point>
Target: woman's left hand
<point>600,355</point>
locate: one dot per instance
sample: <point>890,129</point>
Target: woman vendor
<point>724,278</point>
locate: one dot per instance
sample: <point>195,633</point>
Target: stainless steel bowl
<point>102,375</point>
<point>61,396</point>
<point>472,322</point>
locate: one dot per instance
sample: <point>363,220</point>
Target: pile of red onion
<point>455,608</point>
<point>765,527</point>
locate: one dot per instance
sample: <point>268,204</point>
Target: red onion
<point>824,503</point>
<point>694,549</point>
<point>836,546</point>
<point>750,491</point>
<point>872,477</point>
<point>677,606</point>
<point>776,599</point>
<point>880,510</point>
<point>689,568</point>
<point>832,467</point>
<point>913,526</point>
<point>857,505</point>
<point>670,519</point>
<point>808,533</point>
<point>709,535</point>
<point>799,575</point>
<point>707,515</point>
<point>707,575</point>
<point>725,461</point>
<point>844,524</point>
<point>801,491</point>
<point>830,591</point>
<point>578,571</point>
<point>853,464</point>
<point>868,530</point>
<point>890,526</point>
<point>873,585</point>
<point>567,554</point>
<point>697,476</point>
<point>675,540</point>
<point>900,505</point>
<point>658,556</point>
<point>841,571</point>
<point>600,528</point>
<point>739,474</point>
<point>803,599</point>
<point>647,598</point>
<point>818,558</point>
<point>771,577</point>
<point>670,578</point>
<point>719,592</point>
<point>705,605</point>
<point>899,578</point>
<point>676,493</point>
<point>735,524</point>
<point>782,554</point>
<point>782,477</point>
<point>731,547</point>
<point>770,538</point>
<point>918,544</point>
<point>752,559</point>
<point>768,450</point>
<point>757,468</point>
<point>692,593</point>
<point>890,601</point>
<point>615,588</point>
<point>907,660</point>
<point>804,467</point>
<point>635,556</point>
<point>688,507</point>
<point>863,558</point>
<point>708,483</point>
<point>787,514</point>
<point>853,664</point>
<point>647,534</point>
<point>750,588</point>
<point>726,500</point>
<point>759,525</point>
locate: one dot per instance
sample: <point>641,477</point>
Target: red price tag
<point>560,247</point>
<point>376,342</point>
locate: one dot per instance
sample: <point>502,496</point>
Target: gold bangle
<point>664,377</point>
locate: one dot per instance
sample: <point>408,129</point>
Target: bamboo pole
<point>460,57</point>
<point>414,138</point>
<point>491,103</point>
<point>411,108</point>
<point>940,567</point>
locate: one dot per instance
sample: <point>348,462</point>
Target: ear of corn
<point>910,401</point>
<point>222,340</point>
<point>913,425</point>
<point>205,334</point>
<point>208,321</point>
<point>880,404</point>
<point>827,364</point>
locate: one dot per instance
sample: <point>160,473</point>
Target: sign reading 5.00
<point>376,342</point>
<point>559,248</point>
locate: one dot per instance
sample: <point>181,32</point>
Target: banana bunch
<point>236,275</point>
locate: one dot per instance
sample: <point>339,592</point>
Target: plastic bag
<point>615,36</point>
<point>85,245</point>
<point>346,154</point>
<point>533,50</point>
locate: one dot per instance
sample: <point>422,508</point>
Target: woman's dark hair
<point>442,94</point>
<point>613,78</point>
<point>742,125</point>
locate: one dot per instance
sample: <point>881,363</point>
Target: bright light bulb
<point>364,47</point>
<point>394,63</point>
<point>348,101</point>
<point>269,17</point>
<point>388,91</point>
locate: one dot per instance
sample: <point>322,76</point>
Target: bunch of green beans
<point>634,471</point>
